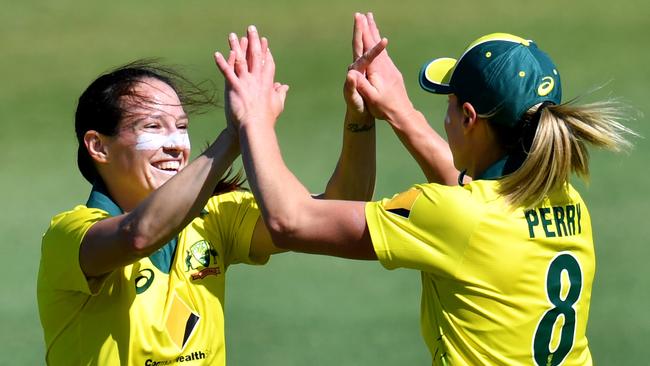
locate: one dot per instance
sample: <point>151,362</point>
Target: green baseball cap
<point>500,74</point>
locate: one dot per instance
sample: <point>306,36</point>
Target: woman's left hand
<point>251,94</point>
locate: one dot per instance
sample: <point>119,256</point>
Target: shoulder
<point>231,200</point>
<point>422,202</point>
<point>449,199</point>
<point>74,220</point>
<point>234,196</point>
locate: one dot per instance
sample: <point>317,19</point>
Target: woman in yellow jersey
<point>136,276</point>
<point>506,259</point>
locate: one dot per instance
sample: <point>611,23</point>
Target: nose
<point>177,141</point>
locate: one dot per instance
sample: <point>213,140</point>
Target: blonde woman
<point>506,260</point>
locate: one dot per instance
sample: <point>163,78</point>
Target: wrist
<point>403,117</point>
<point>250,123</point>
<point>357,122</point>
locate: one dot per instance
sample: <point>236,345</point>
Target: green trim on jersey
<point>163,257</point>
<point>496,170</point>
<point>138,315</point>
<point>501,285</point>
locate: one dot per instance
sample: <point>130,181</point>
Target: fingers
<point>240,65</point>
<point>364,87</point>
<point>268,65</point>
<point>350,81</point>
<point>264,42</point>
<point>254,49</point>
<point>362,62</point>
<point>281,90</point>
<point>243,45</point>
<point>357,37</point>
<point>372,27</point>
<point>249,55</point>
<point>226,67</point>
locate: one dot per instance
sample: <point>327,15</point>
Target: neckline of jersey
<point>100,198</point>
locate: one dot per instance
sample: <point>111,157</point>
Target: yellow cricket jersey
<point>500,286</point>
<point>167,309</point>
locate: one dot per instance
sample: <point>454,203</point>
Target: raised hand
<point>251,94</point>
<point>383,90</point>
<point>382,86</point>
<point>356,107</point>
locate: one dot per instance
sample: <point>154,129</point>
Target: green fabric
<point>501,78</point>
<point>163,257</point>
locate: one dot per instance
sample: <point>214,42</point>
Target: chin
<point>157,178</point>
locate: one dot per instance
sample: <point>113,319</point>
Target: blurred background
<point>301,309</point>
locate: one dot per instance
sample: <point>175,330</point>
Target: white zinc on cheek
<point>155,141</point>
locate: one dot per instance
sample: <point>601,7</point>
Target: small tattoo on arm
<point>356,127</point>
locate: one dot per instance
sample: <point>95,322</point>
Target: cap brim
<point>435,75</point>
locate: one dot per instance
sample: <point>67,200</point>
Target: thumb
<point>282,90</point>
<point>363,86</point>
<point>351,81</point>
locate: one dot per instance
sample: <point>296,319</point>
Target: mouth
<point>170,167</point>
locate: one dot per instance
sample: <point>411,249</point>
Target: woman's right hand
<point>252,95</point>
<point>382,87</point>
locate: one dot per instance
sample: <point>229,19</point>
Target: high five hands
<point>251,93</point>
<point>375,76</point>
<point>373,84</point>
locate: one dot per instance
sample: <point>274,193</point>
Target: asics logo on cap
<point>547,85</point>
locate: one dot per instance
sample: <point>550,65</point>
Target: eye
<point>152,126</point>
<point>182,126</point>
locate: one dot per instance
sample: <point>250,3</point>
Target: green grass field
<point>300,310</point>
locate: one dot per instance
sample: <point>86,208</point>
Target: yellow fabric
<point>439,70</point>
<point>107,322</point>
<point>485,269</point>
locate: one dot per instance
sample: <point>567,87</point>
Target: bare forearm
<point>171,207</point>
<point>277,190</point>
<point>354,176</point>
<point>118,241</point>
<point>431,151</point>
<point>295,220</point>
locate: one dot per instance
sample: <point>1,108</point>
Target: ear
<point>96,145</point>
<point>469,116</point>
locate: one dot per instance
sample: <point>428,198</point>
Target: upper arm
<point>424,230</point>
<point>329,227</point>
<point>65,255</point>
<point>105,247</point>
<point>261,243</point>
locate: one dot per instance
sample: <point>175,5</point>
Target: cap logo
<point>547,85</point>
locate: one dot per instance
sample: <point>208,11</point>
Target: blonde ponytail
<point>559,148</point>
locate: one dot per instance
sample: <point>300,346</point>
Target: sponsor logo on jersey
<point>144,280</point>
<point>194,356</point>
<point>202,259</point>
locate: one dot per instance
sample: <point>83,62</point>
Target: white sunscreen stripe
<point>155,141</point>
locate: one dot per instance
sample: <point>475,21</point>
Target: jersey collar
<point>504,166</point>
<point>495,171</point>
<point>99,198</point>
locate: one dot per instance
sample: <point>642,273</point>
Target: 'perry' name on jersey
<point>556,221</point>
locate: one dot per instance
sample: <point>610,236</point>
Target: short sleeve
<point>60,268</point>
<point>232,217</point>
<point>425,228</point>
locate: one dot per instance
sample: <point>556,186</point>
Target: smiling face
<point>151,144</point>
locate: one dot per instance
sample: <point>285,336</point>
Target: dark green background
<point>298,309</point>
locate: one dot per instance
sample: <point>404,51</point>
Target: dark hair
<point>100,108</point>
